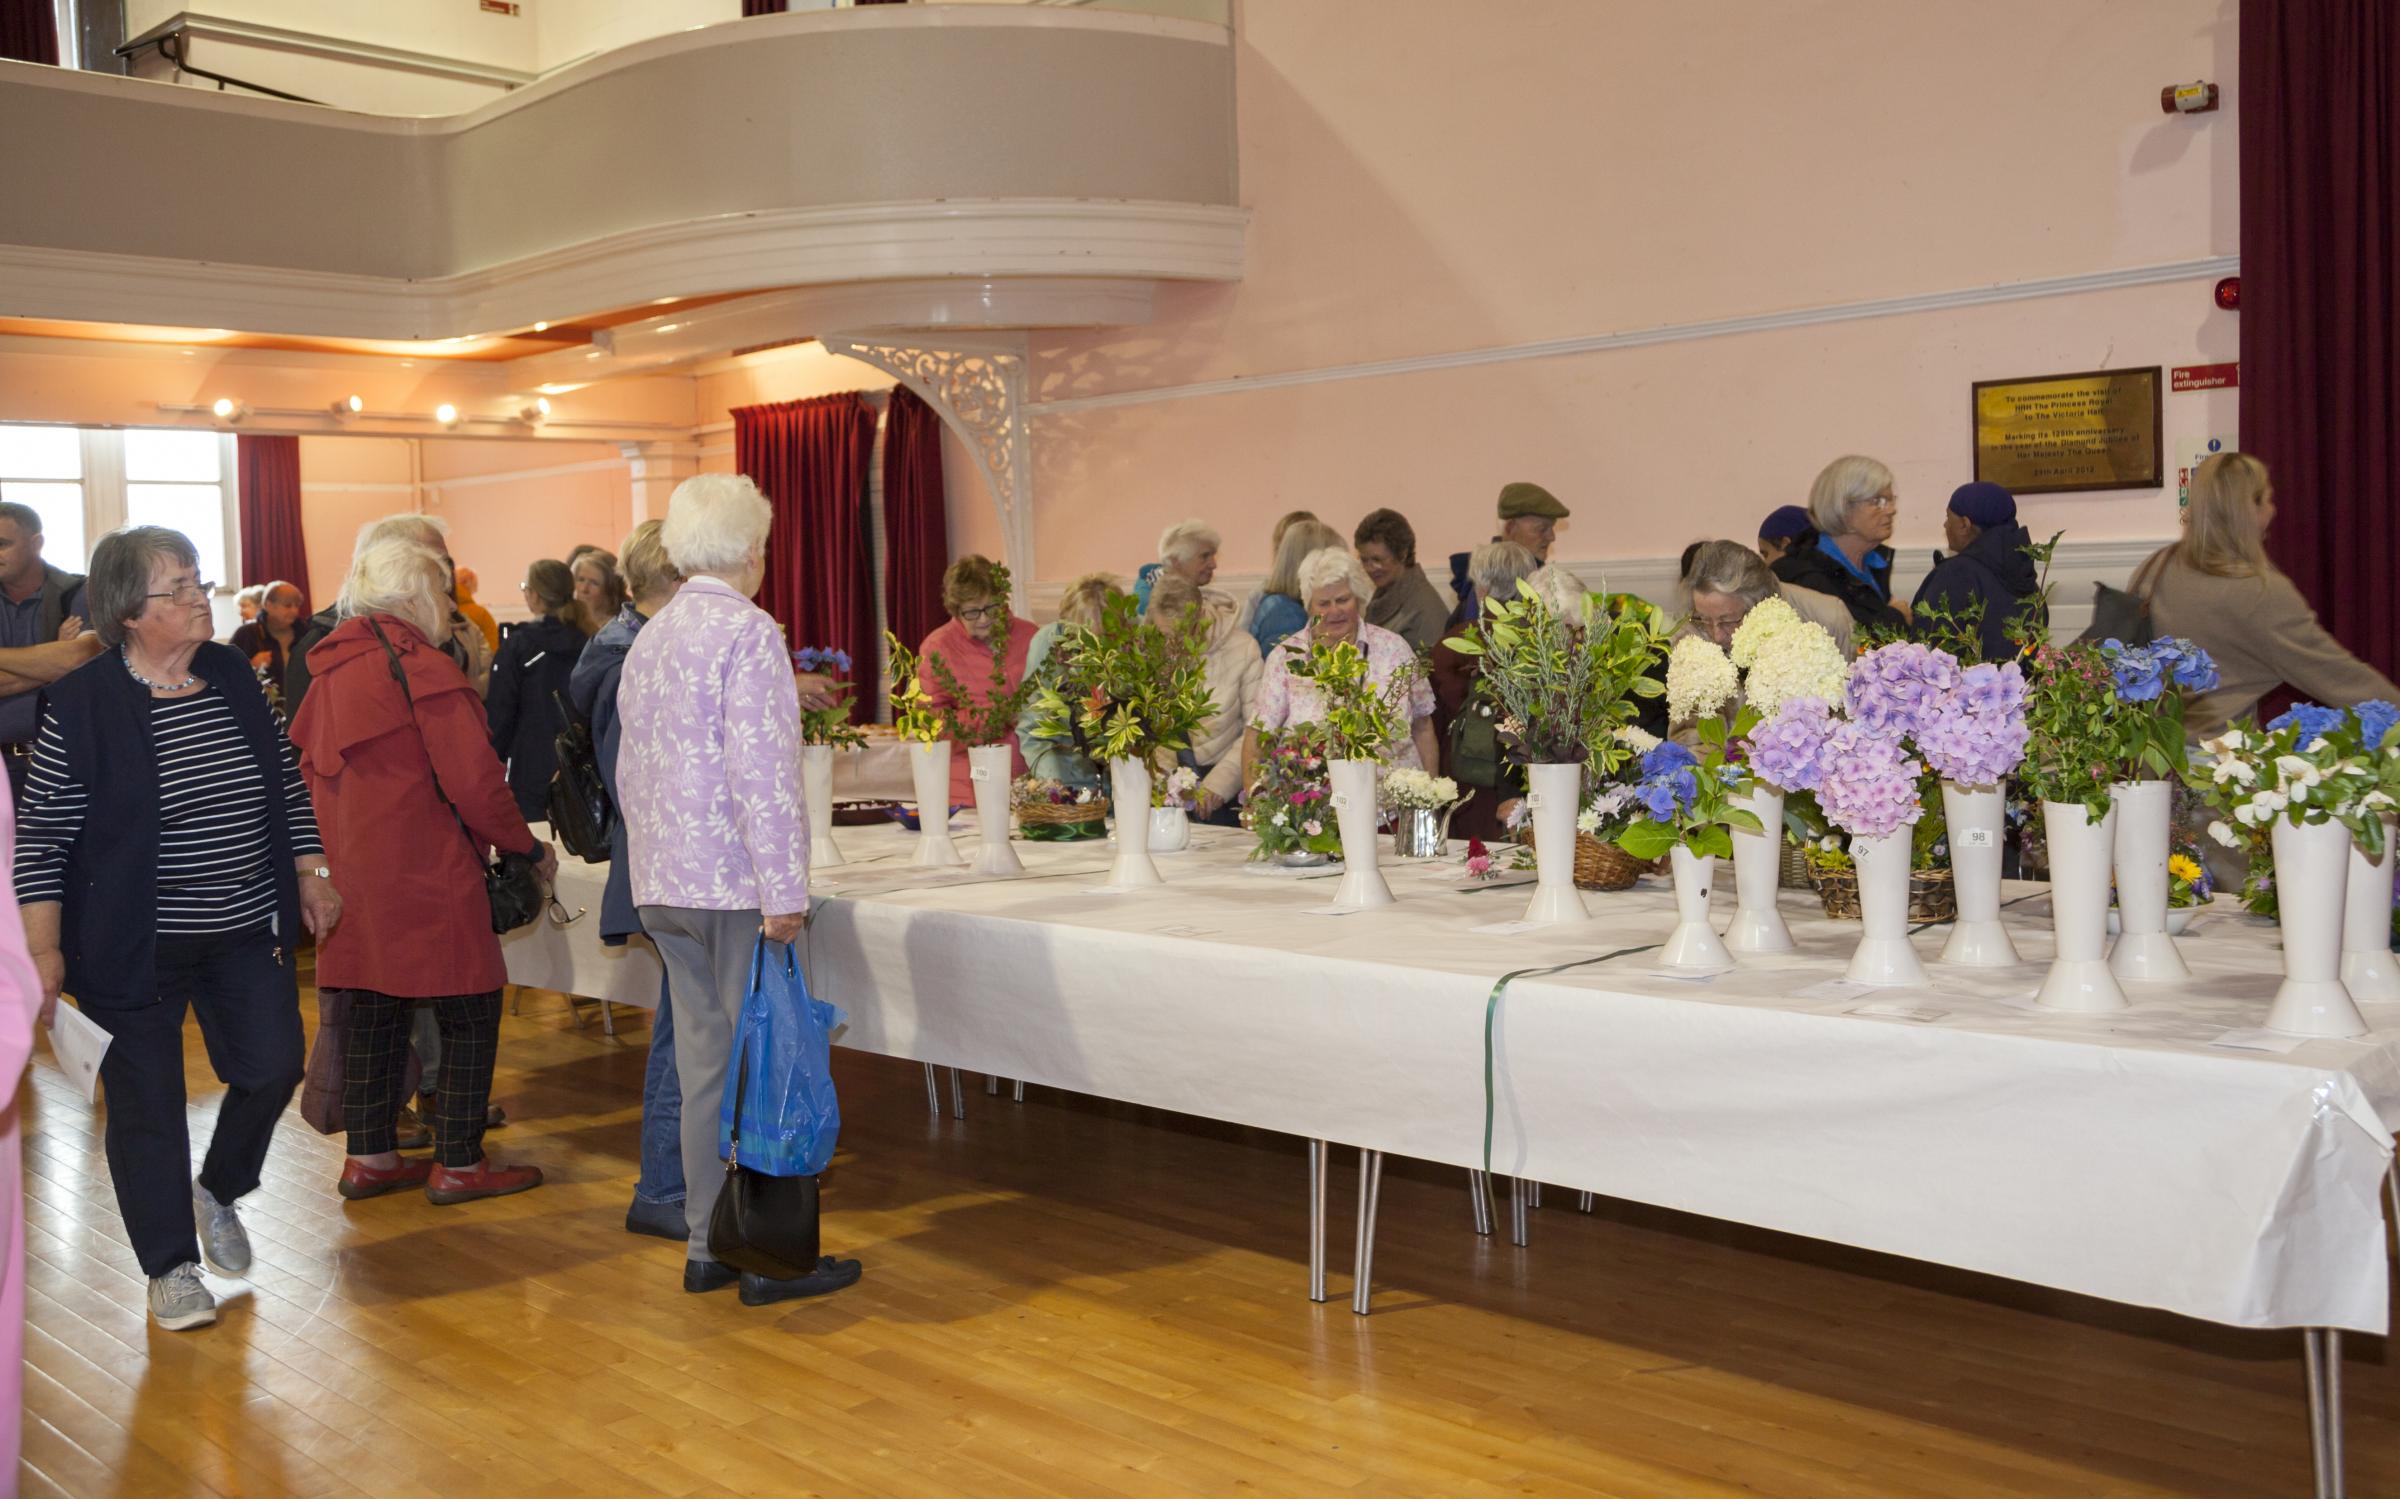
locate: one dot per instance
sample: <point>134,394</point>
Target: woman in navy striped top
<point>168,858</point>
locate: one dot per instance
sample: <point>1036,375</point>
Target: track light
<point>446,414</point>
<point>537,413</point>
<point>349,406</point>
<point>541,327</point>
<point>228,410</point>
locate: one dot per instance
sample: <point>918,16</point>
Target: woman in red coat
<point>389,727</point>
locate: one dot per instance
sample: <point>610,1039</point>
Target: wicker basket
<point>1063,822</point>
<point>1598,865</point>
<point>1930,895</point>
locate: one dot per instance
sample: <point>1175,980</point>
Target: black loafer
<point>657,1225</point>
<point>830,1275</point>
<point>702,1276</point>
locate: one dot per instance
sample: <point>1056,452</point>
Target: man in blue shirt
<point>42,633</point>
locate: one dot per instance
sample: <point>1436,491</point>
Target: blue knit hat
<point>1785,522</point>
<point>1984,505</point>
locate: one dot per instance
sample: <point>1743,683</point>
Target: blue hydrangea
<point>2314,720</point>
<point>2375,720</point>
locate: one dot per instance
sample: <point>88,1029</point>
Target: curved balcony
<point>988,146</point>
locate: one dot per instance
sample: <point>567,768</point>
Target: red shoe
<point>368,1181</point>
<point>450,1184</point>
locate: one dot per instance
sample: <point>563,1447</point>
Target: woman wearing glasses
<point>1853,504</point>
<point>167,858</point>
<point>980,627</point>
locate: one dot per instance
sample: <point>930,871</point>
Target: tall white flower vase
<point>816,787</point>
<point>2144,953</point>
<point>2312,872</point>
<point>1757,874</point>
<point>1363,887</point>
<point>1694,943</point>
<point>1129,789</point>
<point>929,769</point>
<point>1977,817</point>
<point>1554,796</point>
<point>2081,853</point>
<point>988,766</point>
<point>1885,956</point>
<point>2368,969</point>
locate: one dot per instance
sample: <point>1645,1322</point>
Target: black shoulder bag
<point>582,816</point>
<point>2122,613</point>
<point>511,882</point>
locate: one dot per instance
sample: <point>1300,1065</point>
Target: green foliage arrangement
<point>1125,687</point>
<point>993,718</point>
<point>1360,721</point>
<point>914,717</point>
<point>1565,682</point>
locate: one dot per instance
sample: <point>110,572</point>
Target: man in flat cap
<point>1988,572</point>
<point>1529,516</point>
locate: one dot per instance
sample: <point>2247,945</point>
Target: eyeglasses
<point>186,593</point>
<point>1719,624</point>
<point>978,614</point>
<point>1881,502</point>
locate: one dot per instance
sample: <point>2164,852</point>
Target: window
<point>43,467</point>
<point>85,483</point>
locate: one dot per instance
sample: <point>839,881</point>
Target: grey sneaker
<point>178,1299</point>
<point>223,1242</point>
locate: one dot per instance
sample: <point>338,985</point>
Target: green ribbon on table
<point>1491,1012</point>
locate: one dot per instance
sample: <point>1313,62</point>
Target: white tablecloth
<point>2123,1156</point>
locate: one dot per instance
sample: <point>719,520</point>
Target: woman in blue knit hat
<point>1988,575</point>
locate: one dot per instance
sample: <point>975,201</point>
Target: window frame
<point>105,495</point>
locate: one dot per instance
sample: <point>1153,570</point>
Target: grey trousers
<point>707,954</point>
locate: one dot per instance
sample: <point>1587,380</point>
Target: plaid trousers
<point>376,1057</point>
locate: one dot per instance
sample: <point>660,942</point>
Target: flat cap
<point>1521,499</point>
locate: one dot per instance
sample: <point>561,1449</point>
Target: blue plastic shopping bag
<point>779,1108</point>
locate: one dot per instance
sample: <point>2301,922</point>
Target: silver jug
<point>1422,833</point>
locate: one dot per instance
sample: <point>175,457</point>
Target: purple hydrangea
<point>1788,750</point>
<point>821,658</point>
<point>1894,689</point>
<point>1876,793</point>
<point>1978,734</point>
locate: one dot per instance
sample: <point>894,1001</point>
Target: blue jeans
<point>661,1186</point>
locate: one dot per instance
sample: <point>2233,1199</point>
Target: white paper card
<point>79,1044</point>
<point>1504,928</point>
<point>1330,910</point>
<point>1341,799</point>
<point>979,772</point>
<point>1833,989</point>
<point>1187,931</point>
<point>1974,837</point>
<point>2260,1041</point>
<point>1533,801</point>
<point>1889,1010</point>
<point>1692,975</point>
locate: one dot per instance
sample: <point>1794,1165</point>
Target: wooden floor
<point>1070,1298</point>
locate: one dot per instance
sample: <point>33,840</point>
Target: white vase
<point>929,769</point>
<point>1129,790</point>
<point>816,788</point>
<point>2145,952</point>
<point>988,767</point>
<point>2081,854</point>
<point>1757,874</point>
<point>1170,830</point>
<point>1977,816</point>
<point>2368,969</point>
<point>1354,808</point>
<point>2312,873</point>
<point>1694,943</point>
<point>1553,798</point>
<point>1884,957</point>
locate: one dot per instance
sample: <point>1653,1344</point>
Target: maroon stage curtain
<point>916,518</point>
<point>2320,123</point>
<point>273,548</point>
<point>763,7</point>
<point>810,457</point>
<point>29,31</point>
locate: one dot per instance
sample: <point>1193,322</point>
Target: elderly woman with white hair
<point>412,802</point>
<point>1336,591</point>
<point>1233,668</point>
<point>1853,505</point>
<point>1727,580</point>
<point>708,782</point>
<point>1187,548</point>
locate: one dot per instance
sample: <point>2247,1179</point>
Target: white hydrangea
<point>1636,738</point>
<point>1767,619</point>
<point>1700,679</point>
<point>1796,662</point>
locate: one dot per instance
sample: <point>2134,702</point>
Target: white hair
<point>1187,539</point>
<point>1497,564</point>
<point>715,523</point>
<point>396,574</point>
<point>429,531</point>
<point>1843,483</point>
<point>1327,566</point>
<point>1562,591</point>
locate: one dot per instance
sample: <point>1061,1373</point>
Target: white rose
<point>2223,834</point>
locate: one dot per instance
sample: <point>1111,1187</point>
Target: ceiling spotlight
<point>535,414</point>
<point>665,301</point>
<point>227,409</point>
<point>541,327</point>
<point>349,406</point>
<point>446,414</point>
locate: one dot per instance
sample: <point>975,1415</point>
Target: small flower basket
<point>1598,865</point>
<point>1930,894</point>
<point>1048,812</point>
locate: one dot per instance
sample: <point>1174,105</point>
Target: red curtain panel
<point>273,548</point>
<point>916,518</point>
<point>810,458</point>
<point>2320,139</point>
<point>763,7</point>
<point>29,31</point>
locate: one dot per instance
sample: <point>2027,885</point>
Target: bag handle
<point>392,660</point>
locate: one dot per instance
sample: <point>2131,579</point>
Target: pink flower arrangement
<point>1873,794</point>
<point>1976,734</point>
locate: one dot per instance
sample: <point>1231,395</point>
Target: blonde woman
<point>1854,505</point>
<point>1058,759</point>
<point>1282,608</point>
<point>2217,589</point>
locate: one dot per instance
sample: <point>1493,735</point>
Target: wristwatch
<point>320,872</point>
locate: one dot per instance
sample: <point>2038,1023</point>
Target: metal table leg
<point>1518,1232</point>
<point>1536,1198</point>
<point>1020,1093</point>
<point>991,1087</point>
<point>1479,1201</point>
<point>608,1018</point>
<point>933,1091</point>
<point>958,1096</point>
<point>1370,1194</point>
<point>1316,1220</point>
<point>1583,1202</point>
<point>2321,1347</point>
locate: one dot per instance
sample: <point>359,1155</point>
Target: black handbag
<point>512,883</point>
<point>764,1224</point>
<point>581,814</point>
<point>2122,614</point>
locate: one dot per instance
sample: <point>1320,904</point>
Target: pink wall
<point>1429,183</point>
